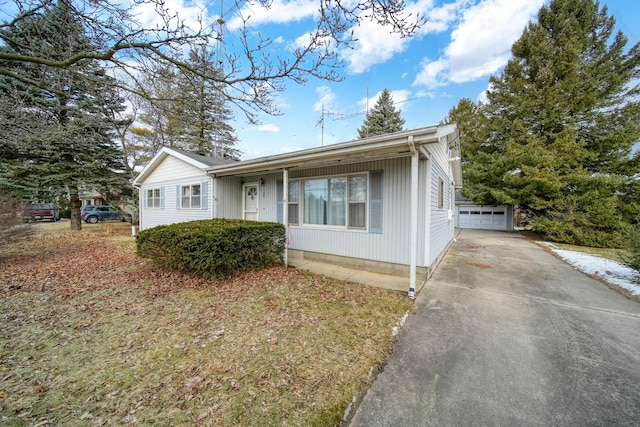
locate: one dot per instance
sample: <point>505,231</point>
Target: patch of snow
<point>396,329</point>
<point>610,271</point>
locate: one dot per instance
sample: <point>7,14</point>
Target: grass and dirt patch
<point>608,253</point>
<point>91,335</point>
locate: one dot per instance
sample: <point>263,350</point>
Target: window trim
<point>296,203</point>
<point>156,202</point>
<point>440,193</point>
<point>190,196</point>
<point>347,203</point>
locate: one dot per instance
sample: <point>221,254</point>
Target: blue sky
<point>451,57</point>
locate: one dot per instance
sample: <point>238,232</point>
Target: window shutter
<point>177,197</point>
<point>143,193</point>
<point>279,197</point>
<point>161,197</point>
<point>204,195</point>
<point>375,202</point>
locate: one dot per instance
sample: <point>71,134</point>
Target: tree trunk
<point>76,221</point>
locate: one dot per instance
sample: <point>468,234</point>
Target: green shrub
<point>632,260</point>
<point>574,233</point>
<point>214,248</point>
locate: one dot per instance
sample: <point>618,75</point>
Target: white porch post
<point>214,198</point>
<point>285,213</point>
<point>414,218</point>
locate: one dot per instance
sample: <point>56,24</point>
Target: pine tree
<point>184,111</point>
<point>206,115</point>
<point>382,119</point>
<point>562,119</point>
<point>476,154</point>
<point>61,140</point>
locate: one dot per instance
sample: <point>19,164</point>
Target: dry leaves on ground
<point>92,335</point>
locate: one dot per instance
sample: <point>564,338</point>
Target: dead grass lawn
<point>90,335</point>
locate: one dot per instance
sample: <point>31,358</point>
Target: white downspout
<point>285,214</point>
<point>427,214</point>
<point>414,218</point>
<point>214,197</point>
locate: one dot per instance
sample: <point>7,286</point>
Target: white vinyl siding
<point>389,242</point>
<point>169,176</point>
<point>441,225</point>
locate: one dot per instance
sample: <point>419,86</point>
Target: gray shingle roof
<point>209,161</point>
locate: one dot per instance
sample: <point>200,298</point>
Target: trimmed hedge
<point>214,248</point>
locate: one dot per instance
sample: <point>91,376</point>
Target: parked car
<point>94,213</point>
<point>41,211</point>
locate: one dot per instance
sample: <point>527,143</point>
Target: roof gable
<point>199,161</point>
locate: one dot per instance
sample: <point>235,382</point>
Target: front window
<point>337,201</point>
<point>153,198</point>
<point>357,201</point>
<point>294,202</point>
<point>190,196</point>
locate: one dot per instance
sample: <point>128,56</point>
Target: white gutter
<point>414,218</point>
<point>385,145</point>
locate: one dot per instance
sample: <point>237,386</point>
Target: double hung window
<point>294,202</point>
<point>153,198</point>
<point>190,196</point>
<point>336,201</point>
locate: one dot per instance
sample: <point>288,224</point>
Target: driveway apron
<point>506,334</point>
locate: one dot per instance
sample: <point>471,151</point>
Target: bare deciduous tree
<point>250,76</point>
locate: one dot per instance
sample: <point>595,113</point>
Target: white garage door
<point>482,217</point>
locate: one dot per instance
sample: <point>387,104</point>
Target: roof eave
<point>395,144</point>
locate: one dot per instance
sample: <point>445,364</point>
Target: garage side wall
<point>441,203</point>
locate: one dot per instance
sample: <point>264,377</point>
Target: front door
<point>250,202</point>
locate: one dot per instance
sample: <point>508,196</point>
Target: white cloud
<point>279,12</point>
<point>438,18</point>
<point>425,94</point>
<point>268,128</point>
<point>481,44</point>
<point>326,100</point>
<point>376,44</point>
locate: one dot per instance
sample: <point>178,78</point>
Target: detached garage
<point>469,215</point>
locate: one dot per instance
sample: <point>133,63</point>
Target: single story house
<point>383,204</point>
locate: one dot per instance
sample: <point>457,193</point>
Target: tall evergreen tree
<point>187,112</point>
<point>206,115</point>
<point>61,142</point>
<point>562,119</point>
<point>382,119</point>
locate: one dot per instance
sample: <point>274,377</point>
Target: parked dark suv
<point>93,213</point>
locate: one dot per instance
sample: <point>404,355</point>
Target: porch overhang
<point>374,148</point>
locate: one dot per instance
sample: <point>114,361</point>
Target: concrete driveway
<point>505,334</point>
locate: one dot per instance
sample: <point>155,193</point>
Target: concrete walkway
<point>378,280</point>
<point>505,334</point>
